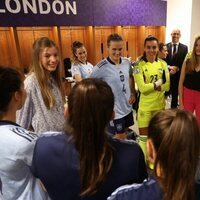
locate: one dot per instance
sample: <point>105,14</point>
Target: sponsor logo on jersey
<point>122,78</point>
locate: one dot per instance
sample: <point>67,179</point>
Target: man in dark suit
<point>175,58</point>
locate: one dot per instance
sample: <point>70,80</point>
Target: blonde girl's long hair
<point>44,78</point>
<point>192,62</point>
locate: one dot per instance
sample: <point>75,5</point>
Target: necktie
<point>174,49</point>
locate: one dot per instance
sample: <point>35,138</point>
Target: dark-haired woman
<point>152,78</point>
<point>83,163</point>
<point>174,148</point>
<point>16,143</point>
<point>163,52</point>
<point>81,68</point>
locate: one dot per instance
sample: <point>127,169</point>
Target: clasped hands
<point>173,69</point>
<point>157,84</point>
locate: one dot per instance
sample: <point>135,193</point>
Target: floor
<point>135,126</point>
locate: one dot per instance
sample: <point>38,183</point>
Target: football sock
<point>143,145</point>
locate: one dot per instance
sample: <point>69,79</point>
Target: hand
<point>181,107</point>
<point>132,99</point>
<point>158,83</point>
<point>158,88</point>
<point>173,69</point>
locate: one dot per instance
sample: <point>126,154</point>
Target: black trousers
<point>174,80</point>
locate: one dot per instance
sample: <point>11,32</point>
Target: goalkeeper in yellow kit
<point>152,78</point>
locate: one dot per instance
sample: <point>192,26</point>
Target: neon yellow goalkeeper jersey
<point>146,74</point>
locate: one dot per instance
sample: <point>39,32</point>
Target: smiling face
<point>81,54</point>
<point>50,59</point>
<point>115,50</point>
<point>176,34</point>
<point>151,50</point>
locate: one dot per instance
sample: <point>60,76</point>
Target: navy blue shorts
<point>120,125</point>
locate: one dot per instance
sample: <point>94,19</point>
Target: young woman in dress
<point>43,109</point>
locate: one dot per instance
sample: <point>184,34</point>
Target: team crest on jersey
<point>122,78</point>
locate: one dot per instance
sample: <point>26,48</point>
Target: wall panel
<point>26,37</point>
<point>130,37</point>
<point>16,43</point>
<point>100,38</point>
<point>69,35</point>
<point>157,31</point>
<point>8,51</point>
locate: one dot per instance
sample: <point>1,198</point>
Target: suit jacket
<point>178,58</point>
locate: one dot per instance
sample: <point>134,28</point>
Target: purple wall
<point>89,12</point>
<point>130,12</point>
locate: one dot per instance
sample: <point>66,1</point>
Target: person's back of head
<point>11,81</point>
<point>90,108</point>
<point>175,135</point>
